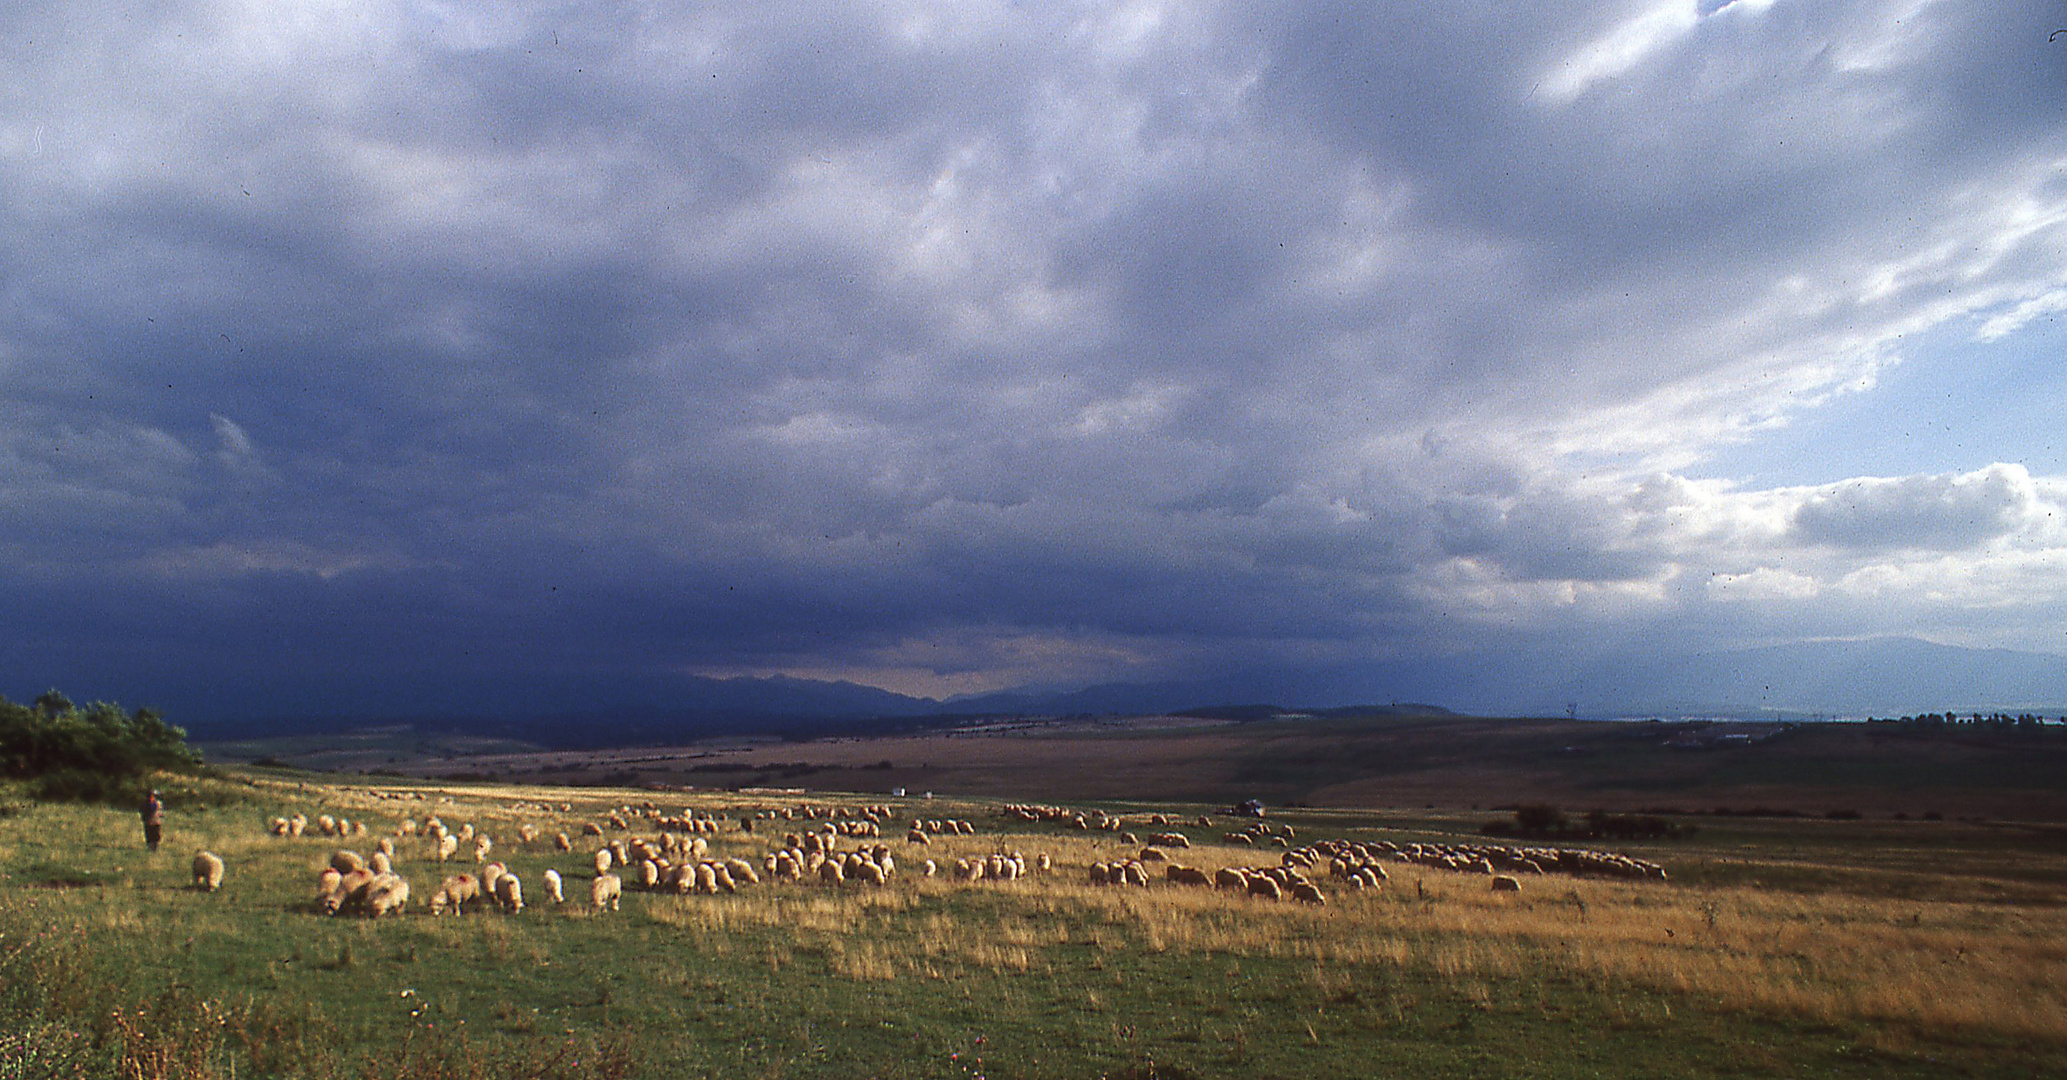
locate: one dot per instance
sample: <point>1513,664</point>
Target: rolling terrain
<point>1407,760</point>
<point>1775,947</point>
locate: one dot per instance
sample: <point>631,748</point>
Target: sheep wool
<point>386,893</point>
<point>207,871</point>
<point>553,890</point>
<point>605,889</point>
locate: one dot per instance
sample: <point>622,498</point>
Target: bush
<point>95,753</point>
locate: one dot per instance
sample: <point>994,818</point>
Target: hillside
<point>1357,760</point>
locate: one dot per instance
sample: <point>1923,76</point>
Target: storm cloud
<point>949,347</point>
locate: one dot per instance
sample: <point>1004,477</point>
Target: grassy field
<point>1778,947</point>
<point>1374,762</point>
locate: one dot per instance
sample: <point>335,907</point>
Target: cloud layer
<point>950,347</point>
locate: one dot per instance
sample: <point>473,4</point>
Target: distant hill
<point>1882,676</point>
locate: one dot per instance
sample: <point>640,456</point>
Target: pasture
<point>1801,948</point>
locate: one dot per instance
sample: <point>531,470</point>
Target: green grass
<point>126,970</point>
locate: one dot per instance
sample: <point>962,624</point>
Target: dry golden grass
<point>1934,966</point>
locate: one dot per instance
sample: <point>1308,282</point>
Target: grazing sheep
<point>706,878</point>
<point>380,863</point>
<point>1308,892</point>
<point>553,891</point>
<point>605,889</point>
<point>1228,877</point>
<point>1266,887</point>
<point>561,842</point>
<point>346,862</point>
<point>454,893</point>
<point>350,892</point>
<point>509,892</point>
<point>207,871</point>
<point>1506,883</point>
<point>490,874</point>
<point>447,846</point>
<point>721,878</point>
<point>278,826</point>
<point>326,825</point>
<point>931,868</point>
<point>326,882</point>
<point>603,860</point>
<point>297,825</point>
<point>832,872</point>
<point>482,846</point>
<point>526,834</point>
<point>742,871</point>
<point>386,893</point>
<point>1180,874</point>
<point>386,847</point>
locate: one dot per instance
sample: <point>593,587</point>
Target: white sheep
<point>207,871</point>
<point>553,890</point>
<point>605,889</point>
<point>346,862</point>
<point>386,893</point>
<point>454,893</point>
<point>448,844</point>
<point>380,863</point>
<point>603,861</point>
<point>509,891</point>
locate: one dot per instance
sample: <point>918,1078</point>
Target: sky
<point>353,350</point>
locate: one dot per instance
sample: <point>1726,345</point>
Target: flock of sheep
<point>670,853</point>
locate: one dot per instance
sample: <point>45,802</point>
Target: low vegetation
<point>1791,947</point>
<point>98,752</point>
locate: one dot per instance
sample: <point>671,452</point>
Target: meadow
<point>1796,947</point>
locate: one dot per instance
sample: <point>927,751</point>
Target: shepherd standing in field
<point>154,819</point>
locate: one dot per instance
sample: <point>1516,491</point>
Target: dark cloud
<point>936,341</point>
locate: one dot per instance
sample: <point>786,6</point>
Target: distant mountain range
<point>1884,676</point>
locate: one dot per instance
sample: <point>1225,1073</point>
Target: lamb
<point>553,891</point>
<point>386,893</point>
<point>605,889</point>
<point>509,892</point>
<point>454,893</point>
<point>207,871</point>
